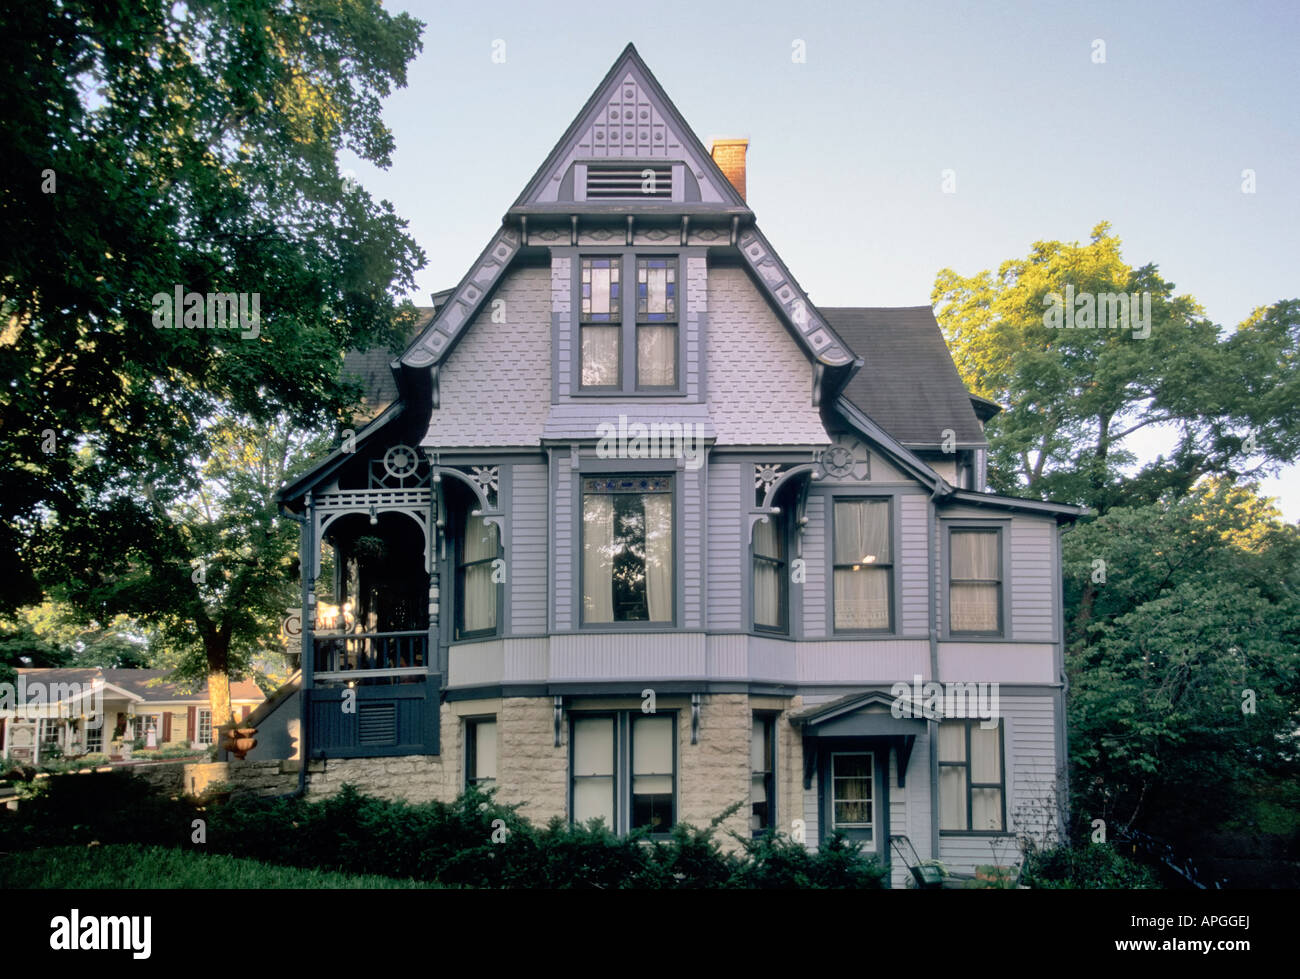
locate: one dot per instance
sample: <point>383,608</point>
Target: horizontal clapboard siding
<point>725,556</point>
<point>692,515</point>
<point>1033,586</point>
<point>562,565</point>
<point>912,558</point>
<point>526,571</point>
<point>814,556</point>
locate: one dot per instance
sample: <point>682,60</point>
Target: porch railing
<point>371,651</point>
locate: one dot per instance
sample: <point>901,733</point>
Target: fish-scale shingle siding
<point>495,387</point>
<point>759,381</point>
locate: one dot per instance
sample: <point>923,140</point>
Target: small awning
<point>854,720</point>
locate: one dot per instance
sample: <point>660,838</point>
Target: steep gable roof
<point>630,87</point>
<point>629,116</point>
<point>908,384</point>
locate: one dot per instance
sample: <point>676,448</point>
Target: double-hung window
<point>643,326</point>
<point>601,322</point>
<point>476,578</point>
<point>762,774</point>
<point>863,565</point>
<point>624,770</point>
<point>627,550</point>
<point>203,720</point>
<point>481,752</point>
<point>771,589</point>
<point>972,777</point>
<point>656,323</point>
<point>975,581</point>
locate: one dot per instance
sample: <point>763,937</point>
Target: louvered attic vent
<point>629,182</point>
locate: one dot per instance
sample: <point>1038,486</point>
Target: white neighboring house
<point>101,711</point>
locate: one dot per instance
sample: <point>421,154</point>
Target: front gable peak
<point>627,126</point>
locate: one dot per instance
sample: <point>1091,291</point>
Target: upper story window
<point>477,550</point>
<point>627,550</point>
<point>656,322</point>
<point>863,565</point>
<point>771,589</point>
<point>614,326</point>
<point>975,581</point>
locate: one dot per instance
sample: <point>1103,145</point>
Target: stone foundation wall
<point>530,769</point>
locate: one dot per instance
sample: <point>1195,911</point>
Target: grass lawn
<point>132,866</point>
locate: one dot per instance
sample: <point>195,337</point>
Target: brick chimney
<point>729,155</point>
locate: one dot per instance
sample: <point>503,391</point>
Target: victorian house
<point>640,532</point>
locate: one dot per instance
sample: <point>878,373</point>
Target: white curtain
<point>480,598</point>
<point>656,356</point>
<point>600,356</point>
<point>485,750</point>
<point>974,606</point>
<point>985,766</point>
<point>652,755</point>
<point>767,576</point>
<point>862,542</point>
<point>593,769</point>
<point>598,557</point>
<point>659,556</point>
<point>952,797</point>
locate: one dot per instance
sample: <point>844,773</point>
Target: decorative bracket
<point>695,718</point>
<point>559,719</point>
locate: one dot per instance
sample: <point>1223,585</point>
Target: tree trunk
<point>218,649</point>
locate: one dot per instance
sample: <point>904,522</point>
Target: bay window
<point>481,752</point>
<point>762,777</point>
<point>771,591</point>
<point>627,550</point>
<point>477,550</point>
<point>863,565</point>
<point>601,320</point>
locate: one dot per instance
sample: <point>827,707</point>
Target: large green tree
<point>146,146</point>
<point>1075,397</point>
<point>1184,658</point>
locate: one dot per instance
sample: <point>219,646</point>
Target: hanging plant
<point>370,548</point>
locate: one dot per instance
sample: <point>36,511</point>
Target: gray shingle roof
<point>909,384</point>
<point>152,685</point>
<point>371,368</point>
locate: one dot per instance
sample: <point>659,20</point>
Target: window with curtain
<point>975,581</point>
<point>972,782</point>
<point>601,321</point>
<point>863,565</point>
<point>853,793</point>
<point>476,592</point>
<point>481,752</point>
<point>627,550</point>
<point>656,322</point>
<point>762,778</point>
<point>771,581</point>
<point>624,770</point>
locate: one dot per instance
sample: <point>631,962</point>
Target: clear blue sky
<point>846,150</point>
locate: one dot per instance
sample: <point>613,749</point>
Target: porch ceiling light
<point>374,517</point>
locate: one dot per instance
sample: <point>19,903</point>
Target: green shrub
<point>779,862</point>
<point>1095,866</point>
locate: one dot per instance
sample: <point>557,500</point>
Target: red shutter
<point>243,713</point>
<point>191,723</point>
<point>167,726</point>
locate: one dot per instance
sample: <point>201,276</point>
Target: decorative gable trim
<point>629,116</point>
<point>437,339</point>
<point>797,309</point>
